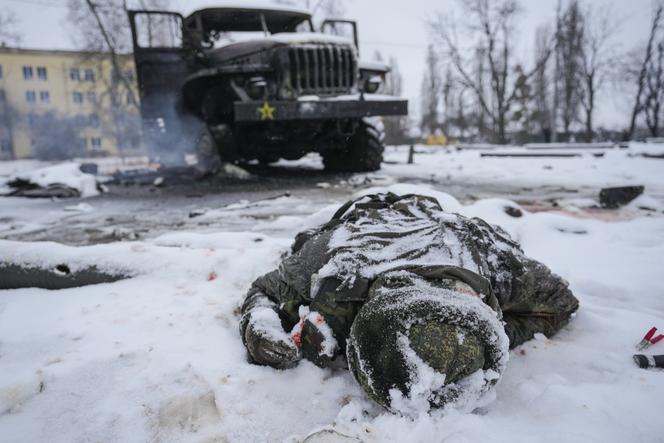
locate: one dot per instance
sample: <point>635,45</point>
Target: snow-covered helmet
<point>418,348</point>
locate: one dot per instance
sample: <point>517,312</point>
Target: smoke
<point>169,132</point>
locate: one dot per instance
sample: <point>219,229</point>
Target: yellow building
<point>65,100</point>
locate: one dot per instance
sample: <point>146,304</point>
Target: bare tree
<point>333,8</point>
<point>431,88</point>
<point>654,91</point>
<point>448,100</point>
<point>569,47</point>
<point>396,128</point>
<point>555,109</point>
<point>103,31</point>
<point>646,70</point>
<point>326,9</point>
<point>542,90</point>
<point>8,33</point>
<point>461,121</point>
<point>596,56</point>
<point>479,115</point>
<point>492,22</point>
<point>523,103</point>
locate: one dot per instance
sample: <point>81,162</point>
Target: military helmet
<point>415,348</point>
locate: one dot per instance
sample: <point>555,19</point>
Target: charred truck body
<point>245,84</point>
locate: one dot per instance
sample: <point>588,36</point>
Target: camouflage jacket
<point>333,269</point>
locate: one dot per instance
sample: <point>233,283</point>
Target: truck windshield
<point>222,26</point>
<point>220,39</point>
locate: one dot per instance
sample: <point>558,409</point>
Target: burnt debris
<point>613,198</point>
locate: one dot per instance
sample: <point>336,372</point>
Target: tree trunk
<point>111,49</point>
<point>590,84</point>
<point>501,123</point>
<point>638,107</point>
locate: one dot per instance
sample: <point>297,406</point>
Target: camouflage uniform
<point>367,259</point>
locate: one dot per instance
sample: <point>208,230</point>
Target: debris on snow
<point>81,207</point>
<point>613,198</point>
<point>64,180</point>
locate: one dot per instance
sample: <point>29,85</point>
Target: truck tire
<point>362,152</point>
<point>216,145</point>
<point>209,160</point>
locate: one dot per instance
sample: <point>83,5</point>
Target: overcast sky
<point>394,27</point>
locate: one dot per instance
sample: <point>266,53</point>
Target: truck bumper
<point>256,111</point>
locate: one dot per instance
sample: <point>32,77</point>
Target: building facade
<point>59,104</point>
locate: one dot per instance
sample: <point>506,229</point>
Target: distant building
<point>65,101</point>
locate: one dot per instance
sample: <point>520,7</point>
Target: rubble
<point>513,211</point>
<point>65,180</point>
<point>24,188</point>
<point>613,198</point>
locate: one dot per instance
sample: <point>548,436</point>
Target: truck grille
<point>321,69</point>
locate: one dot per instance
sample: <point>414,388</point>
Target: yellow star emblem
<point>266,111</point>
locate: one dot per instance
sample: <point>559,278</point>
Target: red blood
<point>297,335</point>
<point>297,339</point>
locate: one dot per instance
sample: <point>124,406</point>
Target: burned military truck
<point>243,84</point>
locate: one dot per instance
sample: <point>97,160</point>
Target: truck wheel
<point>363,152</point>
<point>216,146</point>
<point>209,160</point>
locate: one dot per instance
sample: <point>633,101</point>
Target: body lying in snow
<point>421,305</point>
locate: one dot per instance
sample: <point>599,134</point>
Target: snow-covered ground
<point>158,357</point>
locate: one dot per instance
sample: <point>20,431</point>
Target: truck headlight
<point>256,87</point>
<point>372,84</point>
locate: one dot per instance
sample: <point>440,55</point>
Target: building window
<point>94,120</point>
<point>95,143</point>
<point>27,73</point>
<point>30,96</point>
<point>75,74</point>
<point>44,97</point>
<point>92,97</point>
<point>131,100</point>
<point>77,97</point>
<point>41,73</point>
<point>89,75</point>
<point>0,71</point>
<point>6,146</point>
<point>3,96</point>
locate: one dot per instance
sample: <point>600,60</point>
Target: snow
<point>197,5</point>
<point>67,174</point>
<point>617,168</point>
<point>307,37</point>
<point>425,381</point>
<point>329,344</point>
<point>647,148</point>
<point>366,97</point>
<point>356,251</point>
<point>158,357</point>
<point>266,320</point>
<point>373,66</point>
